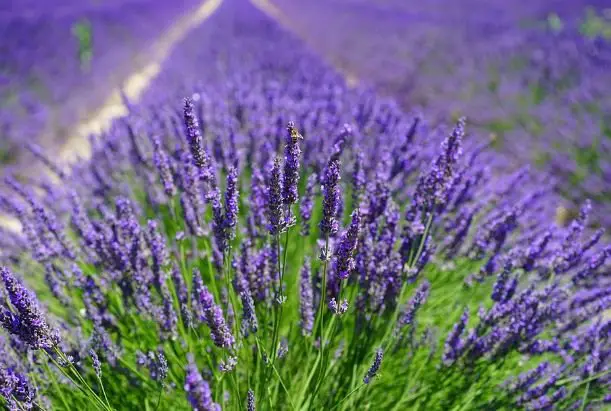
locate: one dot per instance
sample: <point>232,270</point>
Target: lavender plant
<point>280,241</point>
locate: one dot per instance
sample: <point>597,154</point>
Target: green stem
<point>347,396</point>
<point>585,397</point>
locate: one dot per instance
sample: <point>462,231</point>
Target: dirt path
<point>77,145</point>
<point>134,86</point>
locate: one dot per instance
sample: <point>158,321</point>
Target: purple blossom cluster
<point>170,247</point>
<point>535,89</point>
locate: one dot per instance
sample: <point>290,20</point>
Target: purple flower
<point>161,161</point>
<point>250,401</point>
<point>231,203</point>
<point>198,390</point>
<point>228,365</point>
<point>194,135</point>
<point>409,313</point>
<point>292,153</point>
<point>166,317</point>
<point>97,365</point>
<point>274,200</point>
<point>455,345</point>
<point>527,379</point>
<point>375,366</point>
<point>250,324</point>
<point>499,288</point>
<point>257,209</point>
<point>183,296</point>
<point>338,309</point>
<point>218,223</point>
<point>344,259</point>
<point>307,204</point>
<point>29,323</point>
<point>212,314</point>
<point>159,252</point>
<point>306,301</point>
<point>16,389</point>
<point>433,187</point>
<point>331,198</point>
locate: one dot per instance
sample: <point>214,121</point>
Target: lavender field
<point>288,205</point>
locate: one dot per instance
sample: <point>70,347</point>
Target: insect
<point>295,136</point>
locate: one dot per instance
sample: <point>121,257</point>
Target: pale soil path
<point>135,85</point>
<point>77,145</point>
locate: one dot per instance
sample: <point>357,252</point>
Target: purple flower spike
<point>274,200</point>
<point>213,316</point>
<point>198,390</point>
<point>307,204</point>
<point>292,153</point>
<point>231,203</point>
<point>375,367</point>
<point>16,390</point>
<point>250,398</point>
<point>331,198</point>
<point>161,161</point>
<point>29,323</point>
<point>454,344</point>
<point>194,135</point>
<point>344,263</point>
<point>159,250</point>
<point>419,298</point>
<point>306,302</point>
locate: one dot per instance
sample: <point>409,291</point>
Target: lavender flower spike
<point>419,298</point>
<point>231,203</point>
<point>454,344</point>
<point>331,198</point>
<point>198,390</point>
<point>344,263</point>
<point>307,204</point>
<point>29,324</point>
<point>213,315</point>
<point>274,200</point>
<point>161,161</point>
<point>306,302</point>
<point>250,398</point>
<point>375,366</point>
<point>292,152</point>
<point>194,136</point>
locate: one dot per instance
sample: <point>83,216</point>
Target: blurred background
<point>532,77</point>
<point>61,59</point>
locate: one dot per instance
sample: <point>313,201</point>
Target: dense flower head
<point>292,154</point>
<point>344,260</point>
<point>331,197</point>
<point>275,212</point>
<point>198,390</point>
<point>28,321</point>
<point>194,135</point>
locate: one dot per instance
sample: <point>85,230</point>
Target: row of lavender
<point>280,241</point>
<point>44,86</point>
<point>540,89</point>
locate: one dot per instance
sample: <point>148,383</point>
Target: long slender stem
<point>104,391</point>
<point>321,312</point>
<point>347,396</point>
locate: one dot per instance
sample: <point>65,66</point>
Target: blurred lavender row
<point>48,83</point>
<point>533,76</point>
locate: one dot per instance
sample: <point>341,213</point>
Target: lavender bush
<point>533,78</point>
<point>257,235</point>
